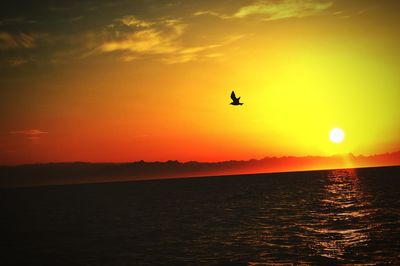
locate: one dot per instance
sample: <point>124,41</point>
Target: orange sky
<point>151,80</point>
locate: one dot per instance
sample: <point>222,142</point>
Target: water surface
<point>320,217</point>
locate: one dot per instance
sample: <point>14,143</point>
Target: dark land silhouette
<point>84,172</point>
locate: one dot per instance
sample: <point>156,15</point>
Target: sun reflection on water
<point>344,216</point>
<point>324,218</point>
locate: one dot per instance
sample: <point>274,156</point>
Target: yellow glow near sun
<point>336,135</point>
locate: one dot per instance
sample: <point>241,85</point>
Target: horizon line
<point>205,162</point>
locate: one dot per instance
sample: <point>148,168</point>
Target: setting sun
<point>336,135</point>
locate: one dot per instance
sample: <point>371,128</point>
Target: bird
<point>235,101</point>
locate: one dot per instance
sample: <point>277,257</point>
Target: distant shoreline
<point>55,174</point>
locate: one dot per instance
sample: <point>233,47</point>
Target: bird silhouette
<point>235,101</point>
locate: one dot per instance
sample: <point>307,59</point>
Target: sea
<point>329,217</point>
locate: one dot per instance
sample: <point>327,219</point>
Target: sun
<point>336,135</point>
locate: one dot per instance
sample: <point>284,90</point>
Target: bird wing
<point>233,96</point>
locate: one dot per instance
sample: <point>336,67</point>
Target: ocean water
<point>319,217</point>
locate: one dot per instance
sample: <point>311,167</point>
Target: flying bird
<point>235,101</point>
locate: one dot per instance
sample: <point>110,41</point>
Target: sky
<point>118,81</point>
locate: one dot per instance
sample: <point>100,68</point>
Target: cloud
<point>132,21</point>
<point>7,41</point>
<point>17,20</point>
<point>75,19</point>
<point>275,10</point>
<point>187,54</point>
<point>29,132</point>
<point>58,8</point>
<point>26,40</point>
<point>283,9</point>
<point>136,38</point>
<point>34,135</point>
<point>143,37</point>
<point>148,41</point>
<point>17,61</point>
<point>21,48</point>
<point>212,13</point>
<point>20,40</point>
<point>125,38</point>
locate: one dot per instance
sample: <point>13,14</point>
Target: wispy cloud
<point>26,40</point>
<point>127,38</point>
<point>7,41</point>
<point>16,61</point>
<point>75,19</point>
<point>275,10</point>
<point>20,49</point>
<point>17,20</point>
<point>187,54</point>
<point>34,135</point>
<point>143,37</point>
<point>132,21</point>
<point>283,9</point>
<point>29,132</point>
<point>20,40</point>
<point>212,13</point>
<point>136,38</point>
<point>58,8</point>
